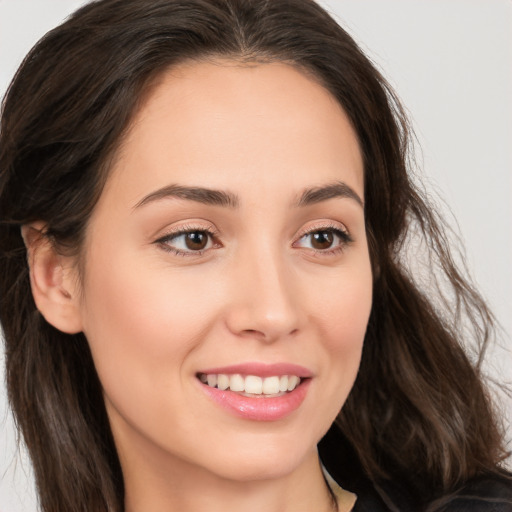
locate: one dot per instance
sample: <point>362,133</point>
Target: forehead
<point>217,121</point>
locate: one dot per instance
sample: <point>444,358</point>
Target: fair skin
<point>267,280</point>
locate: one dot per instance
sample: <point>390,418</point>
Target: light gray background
<point>451,63</point>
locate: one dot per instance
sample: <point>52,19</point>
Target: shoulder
<point>484,494</point>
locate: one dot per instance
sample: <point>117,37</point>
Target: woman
<point>203,211</point>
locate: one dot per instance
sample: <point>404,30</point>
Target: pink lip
<point>262,370</point>
<point>260,408</point>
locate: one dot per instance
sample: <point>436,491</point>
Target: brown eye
<point>188,242</point>
<point>196,240</point>
<point>322,240</point>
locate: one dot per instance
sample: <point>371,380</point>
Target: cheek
<point>345,305</point>
<point>138,322</point>
<point>343,312</point>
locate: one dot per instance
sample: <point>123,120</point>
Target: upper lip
<point>262,369</point>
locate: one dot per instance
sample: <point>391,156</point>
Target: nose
<point>264,301</point>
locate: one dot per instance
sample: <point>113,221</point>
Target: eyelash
<point>185,230</point>
<point>343,235</point>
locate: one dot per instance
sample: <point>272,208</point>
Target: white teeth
<point>293,381</point>
<point>251,384</point>
<point>222,381</point>
<point>236,383</point>
<point>270,385</point>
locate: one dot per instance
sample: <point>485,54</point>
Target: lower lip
<point>259,409</point>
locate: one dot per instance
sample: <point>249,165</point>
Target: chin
<point>262,460</point>
<point>252,471</point>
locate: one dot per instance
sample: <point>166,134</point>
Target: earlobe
<point>52,279</point>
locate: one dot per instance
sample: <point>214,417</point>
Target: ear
<point>53,280</point>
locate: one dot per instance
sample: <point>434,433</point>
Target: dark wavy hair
<point>418,413</point>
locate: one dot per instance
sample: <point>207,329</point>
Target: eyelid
<point>338,228</point>
<point>187,228</point>
<point>184,229</point>
<point>213,233</point>
<point>324,226</point>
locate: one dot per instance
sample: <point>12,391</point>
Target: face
<point>227,283</point>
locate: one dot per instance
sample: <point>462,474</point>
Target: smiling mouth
<point>252,385</point>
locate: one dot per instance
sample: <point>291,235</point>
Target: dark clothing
<point>485,494</point>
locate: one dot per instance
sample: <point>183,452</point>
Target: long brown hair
<point>418,411</point>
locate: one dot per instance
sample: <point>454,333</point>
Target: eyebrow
<point>338,189</point>
<point>214,197</point>
<point>197,194</point>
